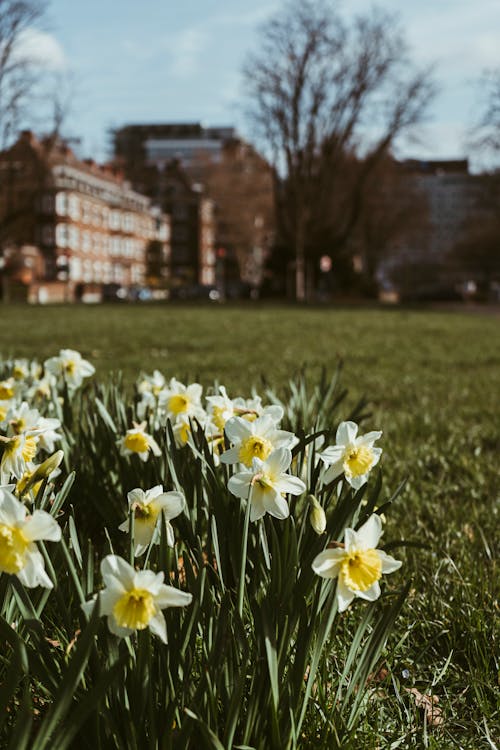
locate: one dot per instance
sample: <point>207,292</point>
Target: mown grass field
<point>433,383</point>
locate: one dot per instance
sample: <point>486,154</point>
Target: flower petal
<point>158,626</point>
<point>327,563</point>
<point>344,595</point>
<point>33,573</point>
<point>11,510</point>
<point>370,594</point>
<point>346,433</point>
<point>136,496</point>
<point>240,484</point>
<point>41,525</point>
<point>237,429</point>
<point>169,596</point>
<point>291,484</point>
<point>114,568</point>
<point>278,461</point>
<point>389,564</point>
<point>276,505</point>
<point>171,503</point>
<point>368,535</point>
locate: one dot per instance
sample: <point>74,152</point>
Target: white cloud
<point>43,49</point>
<point>186,50</point>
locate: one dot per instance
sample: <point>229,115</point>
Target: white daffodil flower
<point>20,369</point>
<point>70,367</point>
<point>257,439</point>
<point>19,554</point>
<point>357,564</point>
<point>8,389</point>
<point>139,442</point>
<point>134,599</point>
<point>265,485</point>
<point>5,407</point>
<point>153,384</point>
<point>353,456</point>
<point>41,390</point>
<point>222,408</point>
<point>18,452</point>
<point>24,419</point>
<point>178,400</point>
<point>147,508</point>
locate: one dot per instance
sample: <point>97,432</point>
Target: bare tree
<point>486,130</point>
<point>17,68</point>
<point>321,93</point>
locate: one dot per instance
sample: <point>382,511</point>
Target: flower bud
<point>317,515</point>
<point>46,468</point>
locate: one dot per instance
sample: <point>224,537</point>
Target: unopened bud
<point>317,515</point>
<point>46,468</point>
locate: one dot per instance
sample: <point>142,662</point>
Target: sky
<point>140,61</point>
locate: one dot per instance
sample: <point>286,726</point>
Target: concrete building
<point>159,144</point>
<point>423,257</point>
<point>224,200</point>
<point>92,229</point>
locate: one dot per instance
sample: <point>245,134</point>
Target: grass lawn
<point>433,383</point>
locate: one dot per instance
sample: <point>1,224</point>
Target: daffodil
<point>266,484</point>
<point>42,389</point>
<point>222,408</point>
<point>5,407</point>
<point>24,419</point>
<point>257,439</point>
<point>7,389</point>
<point>69,367</point>
<point>19,554</point>
<point>139,442</point>
<point>148,508</point>
<point>153,384</point>
<point>353,456</point>
<point>134,599</point>
<point>178,400</point>
<point>20,369</point>
<point>18,452</point>
<point>357,563</point>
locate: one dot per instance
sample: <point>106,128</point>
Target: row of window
<point>105,272</point>
<point>111,194</point>
<point>69,236</point>
<point>79,209</point>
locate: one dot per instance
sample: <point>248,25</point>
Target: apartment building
<point>91,228</point>
<point>219,191</point>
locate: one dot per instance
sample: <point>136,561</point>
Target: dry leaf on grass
<point>428,703</point>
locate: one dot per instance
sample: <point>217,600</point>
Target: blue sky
<point>180,60</point>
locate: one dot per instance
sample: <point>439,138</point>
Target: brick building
<point>92,230</point>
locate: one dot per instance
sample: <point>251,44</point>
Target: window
<point>74,207</point>
<point>86,243</point>
<point>61,204</point>
<point>128,222</point>
<point>87,271</point>
<point>62,235</point>
<point>75,269</point>
<point>73,238</point>
<point>114,220</point>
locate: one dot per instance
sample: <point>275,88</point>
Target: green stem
<point>241,586</point>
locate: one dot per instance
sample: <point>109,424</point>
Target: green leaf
<point>69,683</point>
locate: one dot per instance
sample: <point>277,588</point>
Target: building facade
<point>93,231</point>
<point>224,199</point>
